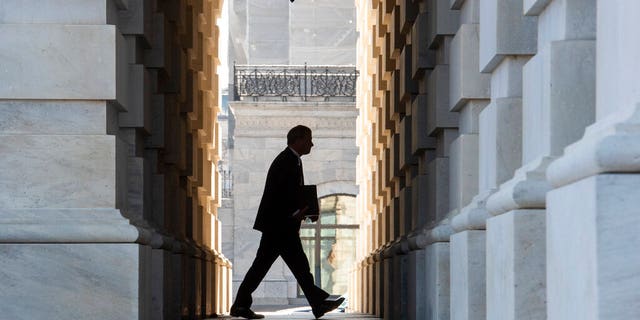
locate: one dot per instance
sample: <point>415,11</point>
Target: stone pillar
<point>468,95</point>
<point>416,278</point>
<point>505,39</point>
<point>558,100</point>
<point>437,281</point>
<point>468,275</point>
<point>97,220</point>
<point>592,235</point>
<point>67,250</point>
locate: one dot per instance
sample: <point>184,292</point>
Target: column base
<point>468,275</point>
<point>593,236</point>
<point>437,281</point>
<point>75,281</point>
<point>516,272</point>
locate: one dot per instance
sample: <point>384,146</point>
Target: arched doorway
<point>330,243</point>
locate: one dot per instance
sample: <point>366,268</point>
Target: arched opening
<point>330,243</point>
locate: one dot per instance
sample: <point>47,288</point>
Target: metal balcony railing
<point>294,81</point>
<point>227,183</point>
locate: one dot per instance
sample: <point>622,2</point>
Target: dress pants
<point>288,246</point>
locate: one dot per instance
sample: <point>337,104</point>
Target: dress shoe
<point>326,306</point>
<point>245,313</point>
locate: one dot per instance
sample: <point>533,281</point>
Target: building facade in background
<point>498,168</point>
<point>108,177</point>
<point>292,64</point>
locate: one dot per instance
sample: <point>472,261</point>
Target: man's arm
<point>285,188</point>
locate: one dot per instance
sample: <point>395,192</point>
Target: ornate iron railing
<point>227,183</point>
<point>294,81</point>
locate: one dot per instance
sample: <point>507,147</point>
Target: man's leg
<point>266,255</point>
<point>293,255</point>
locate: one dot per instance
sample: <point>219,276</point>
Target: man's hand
<point>300,215</point>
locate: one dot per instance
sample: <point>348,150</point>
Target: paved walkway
<point>303,312</point>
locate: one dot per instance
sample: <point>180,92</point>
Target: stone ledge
<point>68,226</point>
<point>474,215</point>
<point>610,145</point>
<point>526,190</point>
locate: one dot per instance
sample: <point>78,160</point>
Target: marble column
<point>469,94</point>
<point>93,219</point>
<point>558,102</point>
<point>67,251</point>
<point>593,233</point>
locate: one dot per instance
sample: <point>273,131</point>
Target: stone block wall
<point>108,192</point>
<point>523,120</point>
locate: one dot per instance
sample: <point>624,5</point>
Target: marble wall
<point>522,120</point>
<point>108,181</point>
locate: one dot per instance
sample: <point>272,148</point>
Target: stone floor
<point>302,312</point>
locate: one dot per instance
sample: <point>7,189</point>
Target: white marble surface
<point>66,226</point>
<point>609,145</point>
<point>469,11</point>
<point>500,141</point>
<point>57,171</point>
<point>505,31</point>
<point>534,7</point>
<point>82,12</point>
<point>527,189</point>
<point>474,215</point>
<point>468,274</point>
<point>469,116</point>
<point>416,292</point>
<point>506,77</point>
<point>576,106</point>
<point>31,51</point>
<point>437,281</point>
<point>567,20</point>
<point>516,266</point>
<point>438,180</point>
<point>592,248</point>
<point>466,81</point>
<point>438,114</point>
<point>617,64</point>
<point>444,21</point>
<point>463,174</point>
<point>558,108</point>
<point>52,117</point>
<point>74,281</point>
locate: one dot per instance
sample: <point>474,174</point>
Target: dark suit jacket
<point>282,195</point>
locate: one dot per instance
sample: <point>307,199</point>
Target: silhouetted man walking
<point>281,211</point>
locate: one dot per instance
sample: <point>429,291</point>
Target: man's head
<point>299,139</point>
